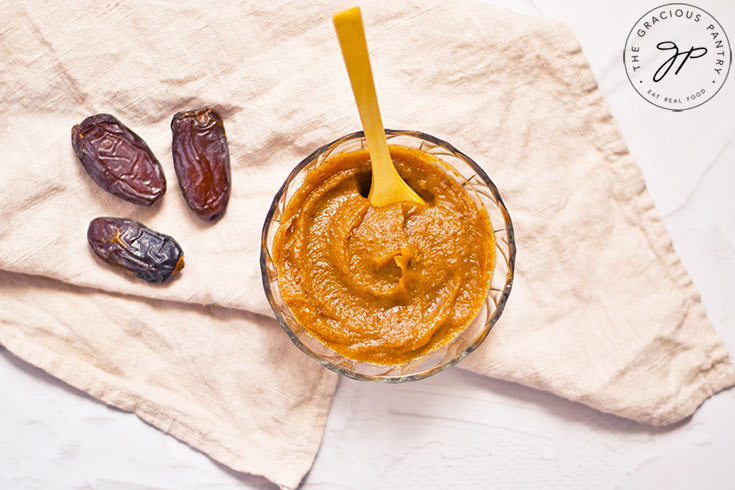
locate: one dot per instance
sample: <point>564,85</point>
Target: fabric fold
<point>223,381</point>
<point>602,310</point>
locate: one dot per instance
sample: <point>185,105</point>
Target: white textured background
<point>458,429</point>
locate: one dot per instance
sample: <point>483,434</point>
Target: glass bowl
<point>477,184</point>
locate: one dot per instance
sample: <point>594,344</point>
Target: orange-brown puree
<point>383,285</point>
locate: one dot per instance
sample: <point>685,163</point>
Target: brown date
<point>202,161</point>
<point>147,254</point>
<point>118,160</point>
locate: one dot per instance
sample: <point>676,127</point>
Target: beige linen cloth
<point>601,312</point>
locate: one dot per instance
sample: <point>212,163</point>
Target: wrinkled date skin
<point>202,161</point>
<point>147,254</point>
<point>118,160</point>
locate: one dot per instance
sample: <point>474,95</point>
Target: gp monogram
<point>677,56</point>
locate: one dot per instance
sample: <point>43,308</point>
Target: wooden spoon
<point>387,187</point>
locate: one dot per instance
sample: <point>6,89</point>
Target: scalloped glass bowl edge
<point>477,184</point>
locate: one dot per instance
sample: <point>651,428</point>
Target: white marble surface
<point>458,429</point>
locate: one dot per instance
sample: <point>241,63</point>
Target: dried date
<point>118,160</point>
<point>202,161</point>
<point>147,254</point>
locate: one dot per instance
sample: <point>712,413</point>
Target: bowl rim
<point>500,306</point>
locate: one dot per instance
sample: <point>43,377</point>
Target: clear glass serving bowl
<point>477,184</point>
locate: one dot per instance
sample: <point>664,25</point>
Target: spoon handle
<point>351,36</point>
<point>387,186</point>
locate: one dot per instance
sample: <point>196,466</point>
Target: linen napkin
<point>601,312</point>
